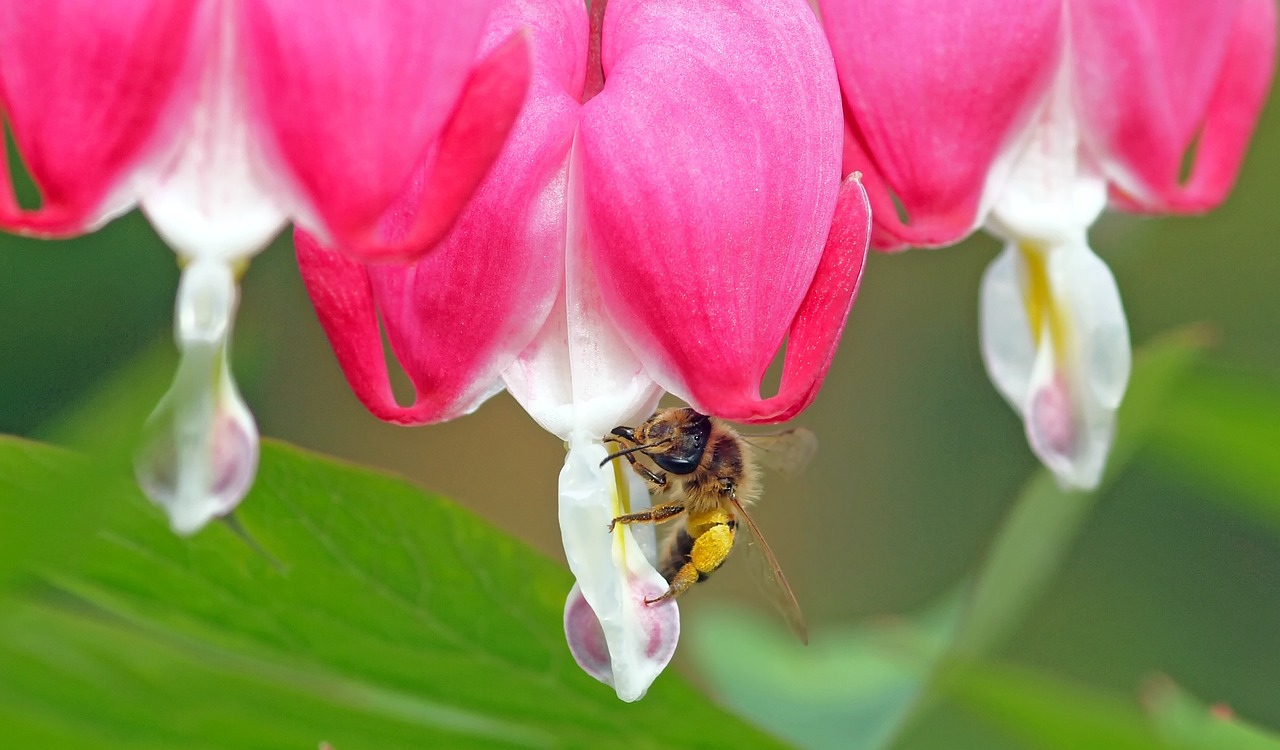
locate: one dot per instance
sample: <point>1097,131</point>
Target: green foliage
<point>1057,715</point>
<point>859,689</point>
<point>1224,434</point>
<point>1050,713</point>
<point>342,605</point>
<point>1045,519</point>
<point>1183,721</point>
<point>846,690</point>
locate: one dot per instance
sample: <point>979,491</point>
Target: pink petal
<point>343,297</point>
<point>816,330</point>
<point>453,366</point>
<point>1151,80</point>
<point>711,161</point>
<point>86,86</point>
<point>934,90</point>
<point>357,96</point>
<point>459,316</point>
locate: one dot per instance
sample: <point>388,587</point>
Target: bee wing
<point>787,453</point>
<point>783,597</point>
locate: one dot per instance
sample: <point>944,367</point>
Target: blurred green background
<point>1176,570</point>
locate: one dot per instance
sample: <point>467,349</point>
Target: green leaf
<point>1050,713</point>
<point>1045,520</point>
<point>1058,715</point>
<point>1223,432</point>
<point>1186,722</point>
<point>848,690</point>
<point>349,608</point>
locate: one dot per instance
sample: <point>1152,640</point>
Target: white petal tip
<point>1070,435</point>
<point>200,474</point>
<point>199,452</point>
<point>638,646</point>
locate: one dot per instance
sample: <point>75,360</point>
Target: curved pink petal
<point>883,233</point>
<point>356,96</point>
<point>1154,78</point>
<point>819,323</point>
<point>457,317</point>
<point>934,90</point>
<point>86,86</point>
<point>711,161</point>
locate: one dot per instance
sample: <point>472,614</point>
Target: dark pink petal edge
<point>820,321</point>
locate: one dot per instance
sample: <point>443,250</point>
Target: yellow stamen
<point>1043,310</point>
<point>621,492</point>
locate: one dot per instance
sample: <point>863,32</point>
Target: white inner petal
<point>207,195</point>
<point>1049,192</point>
<point>1056,344</point>
<point>614,573</point>
<point>1054,337</point>
<point>579,380</point>
<point>1008,347</point>
<point>579,375</point>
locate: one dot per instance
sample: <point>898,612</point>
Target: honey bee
<point>702,469</point>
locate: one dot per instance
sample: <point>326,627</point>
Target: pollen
<point>1044,311</point>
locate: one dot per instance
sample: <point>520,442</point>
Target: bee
<point>701,468</point>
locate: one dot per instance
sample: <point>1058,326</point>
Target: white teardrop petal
<point>1004,333</point>
<point>199,452</point>
<point>614,576</point>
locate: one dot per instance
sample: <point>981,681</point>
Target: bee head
<point>683,435</point>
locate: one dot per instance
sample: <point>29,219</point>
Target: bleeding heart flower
<point>1028,118</point>
<point>224,119</point>
<point>666,234</point>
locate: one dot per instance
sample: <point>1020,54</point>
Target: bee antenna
<point>633,449</point>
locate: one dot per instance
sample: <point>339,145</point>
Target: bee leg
<point>685,577</point>
<point>656,514</point>
<point>658,479</point>
<point>708,553</point>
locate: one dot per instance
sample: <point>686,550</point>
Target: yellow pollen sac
<point>1043,310</point>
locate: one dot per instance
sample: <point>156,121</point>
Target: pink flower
<point>666,235</point>
<point>1027,118</point>
<point>223,120</point>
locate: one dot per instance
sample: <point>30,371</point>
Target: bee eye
<point>678,463</point>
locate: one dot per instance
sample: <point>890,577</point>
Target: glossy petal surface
<point>711,160</point>
<point>934,90</point>
<point>357,96</point>
<point>87,88</point>
<point>459,316</point>
<point>579,379</point>
<point>1154,77</point>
